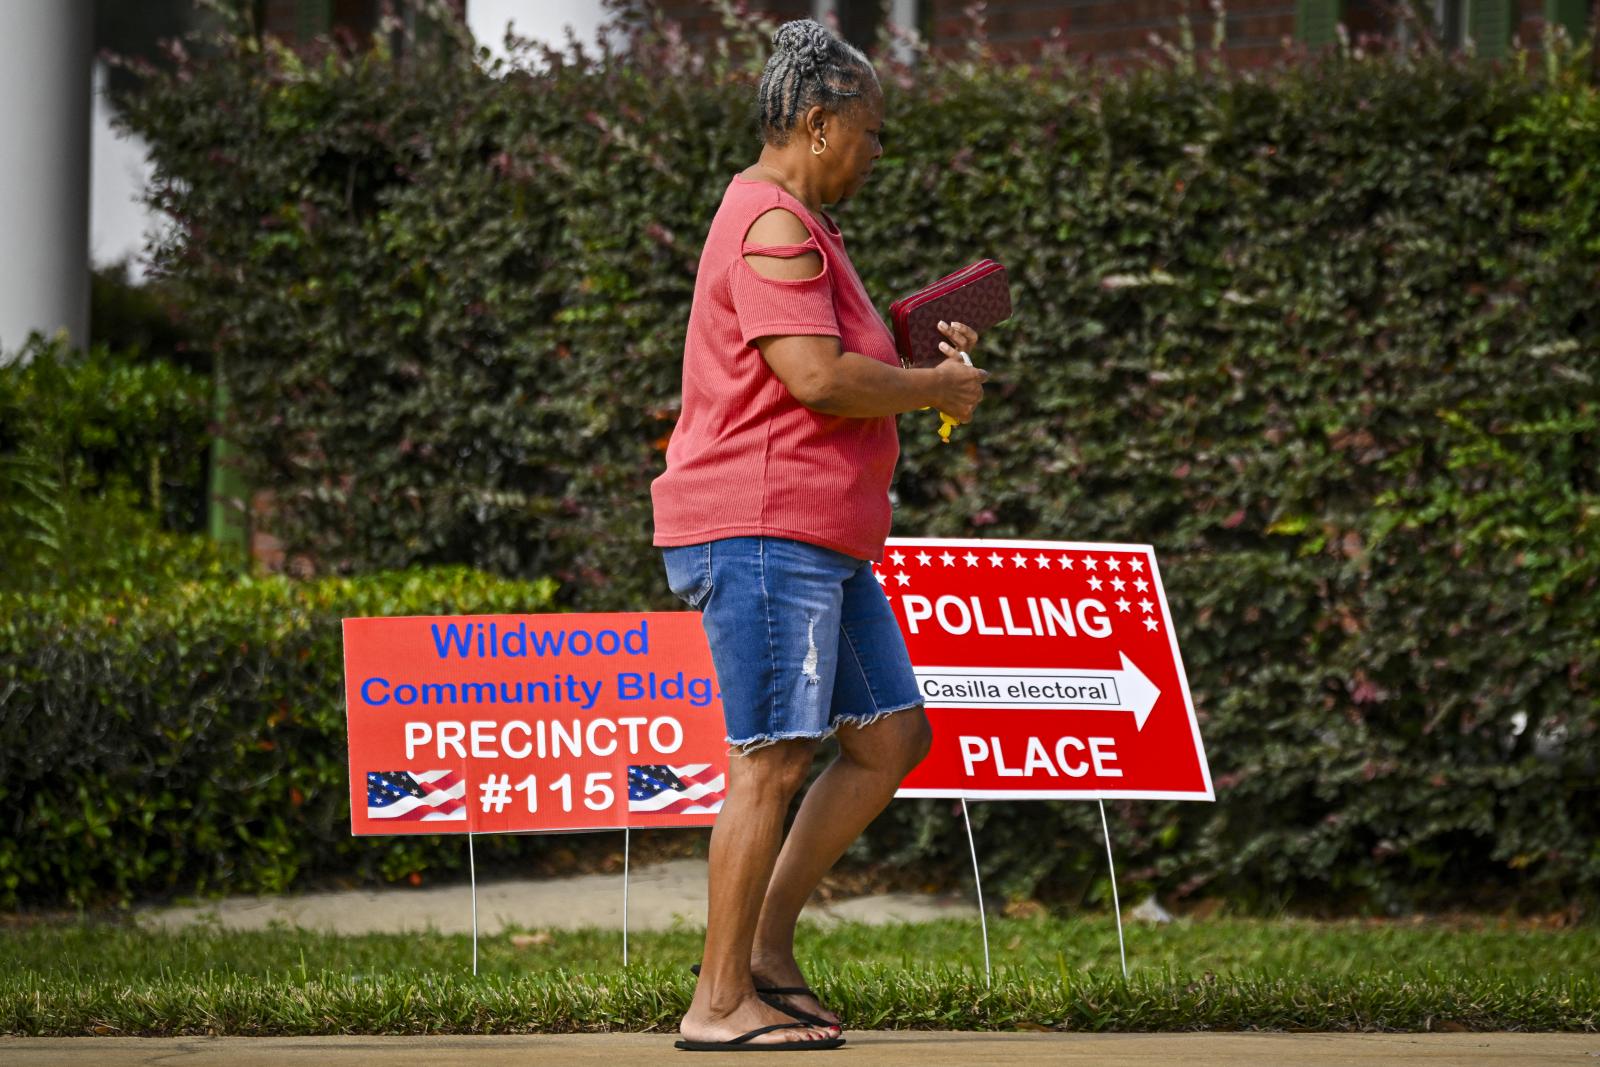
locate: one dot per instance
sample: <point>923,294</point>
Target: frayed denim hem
<point>859,721</point>
<point>749,745</point>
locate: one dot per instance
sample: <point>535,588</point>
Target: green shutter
<point>312,18</point>
<point>1315,21</point>
<point>1490,24</point>
<point>1573,14</point>
<point>228,493</point>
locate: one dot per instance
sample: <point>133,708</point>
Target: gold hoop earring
<point>818,151</point>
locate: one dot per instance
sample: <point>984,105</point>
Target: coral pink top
<point>747,458</point>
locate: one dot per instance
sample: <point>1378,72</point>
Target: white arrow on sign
<point>1040,687</point>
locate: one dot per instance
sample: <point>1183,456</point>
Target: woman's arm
<point>834,382</point>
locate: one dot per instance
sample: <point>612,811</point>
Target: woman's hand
<point>958,386</point>
<point>960,338</point>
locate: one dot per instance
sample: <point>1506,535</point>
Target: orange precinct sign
<point>506,723</point>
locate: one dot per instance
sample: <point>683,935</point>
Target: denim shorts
<point>802,637</point>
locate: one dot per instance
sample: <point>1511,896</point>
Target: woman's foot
<point>784,973</point>
<point>749,1014</point>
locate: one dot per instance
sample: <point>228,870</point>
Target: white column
<point>903,16</point>
<point>46,65</point>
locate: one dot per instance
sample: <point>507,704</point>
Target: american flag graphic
<point>696,789</point>
<point>417,796</point>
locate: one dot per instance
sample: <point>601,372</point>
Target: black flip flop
<point>769,996</point>
<point>739,1044</point>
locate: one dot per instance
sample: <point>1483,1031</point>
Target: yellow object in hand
<point>946,423</point>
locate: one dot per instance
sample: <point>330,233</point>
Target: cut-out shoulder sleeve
<point>772,306</point>
<point>778,245</point>
<point>777,226</point>
<point>783,251</point>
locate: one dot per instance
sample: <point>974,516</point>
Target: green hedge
<point>102,467</point>
<point>1325,335</point>
<point>195,741</point>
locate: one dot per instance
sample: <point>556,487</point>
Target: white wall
<point>121,167</point>
<point>542,20</point>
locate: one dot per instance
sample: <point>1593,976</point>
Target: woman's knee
<point>921,740</point>
<point>919,737</point>
<point>779,768</point>
<point>895,743</point>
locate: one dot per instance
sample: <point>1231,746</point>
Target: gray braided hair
<point>809,65</point>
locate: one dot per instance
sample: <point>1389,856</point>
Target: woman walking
<point>772,507</point>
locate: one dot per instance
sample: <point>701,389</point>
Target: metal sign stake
<point>988,975</point>
<point>625,835</point>
<point>1116,905</point>
<point>472,866</point>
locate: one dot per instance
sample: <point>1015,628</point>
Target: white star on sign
<point>1088,562</point>
<point>1122,605</point>
<point>1020,560</point>
<point>1044,560</point>
<point>1136,564</point>
<point>1113,563</point>
<point>881,579</point>
<point>947,559</point>
<point>1117,584</point>
<point>902,579</point>
<point>1145,606</point>
<point>1095,584</point>
<point>898,558</point>
<point>1066,562</point>
<point>924,559</point>
<point>1150,624</point>
<point>996,558</point>
<point>972,561</point>
<point>1140,584</point>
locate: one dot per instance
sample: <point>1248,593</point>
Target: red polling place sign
<point>1050,670</point>
<point>497,723</point>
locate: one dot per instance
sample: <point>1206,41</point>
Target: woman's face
<point>854,145</point>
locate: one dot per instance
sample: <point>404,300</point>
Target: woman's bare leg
<point>847,796</point>
<point>744,843</point>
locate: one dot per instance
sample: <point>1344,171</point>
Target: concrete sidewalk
<point>660,896</point>
<point>888,1048</point>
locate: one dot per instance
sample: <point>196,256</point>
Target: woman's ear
<point>816,118</point>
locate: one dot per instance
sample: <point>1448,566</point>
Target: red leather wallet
<point>976,295</point>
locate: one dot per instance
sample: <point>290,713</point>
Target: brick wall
<point>278,17</point>
<point>1111,32</point>
<point>281,18</point>
<point>856,20</point>
<point>700,21</point>
<point>1114,32</point>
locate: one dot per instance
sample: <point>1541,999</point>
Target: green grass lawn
<point>1049,974</point>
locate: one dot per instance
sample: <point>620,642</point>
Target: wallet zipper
<point>954,281</point>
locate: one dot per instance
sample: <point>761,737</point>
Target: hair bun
<point>807,40</point>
